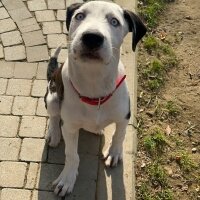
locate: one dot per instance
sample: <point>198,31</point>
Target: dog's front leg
<point>114,152</point>
<point>66,180</point>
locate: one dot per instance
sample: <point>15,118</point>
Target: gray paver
<point>11,38</point>
<point>3,84</point>
<point>35,5</point>
<point>24,106</point>
<point>15,53</point>
<point>42,195</point>
<point>3,13</point>
<point>37,53</point>
<point>7,69</point>
<point>5,104</point>
<point>61,15</point>
<point>28,25</point>
<point>33,150</point>
<point>10,179</point>
<point>42,70</point>
<point>69,2</point>
<point>54,4</point>
<point>62,55</point>
<point>32,126</point>
<point>18,194</point>
<point>21,87</point>
<point>33,38</point>
<point>20,14</point>
<point>31,176</point>
<point>45,15</point>
<point>1,4</point>
<point>9,126</point>
<point>1,51</point>
<point>12,5</point>
<point>46,175</point>
<point>7,25</point>
<point>25,70</point>
<point>64,28</point>
<point>9,148</point>
<point>54,40</point>
<point>41,110</point>
<point>51,27</point>
<point>39,88</point>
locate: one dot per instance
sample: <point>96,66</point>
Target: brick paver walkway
<point>30,30</point>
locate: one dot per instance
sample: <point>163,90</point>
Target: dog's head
<point>96,30</point>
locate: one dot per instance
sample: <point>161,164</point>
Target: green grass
<point>172,109</point>
<point>150,43</point>
<point>165,195</point>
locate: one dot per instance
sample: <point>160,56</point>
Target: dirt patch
<point>174,110</point>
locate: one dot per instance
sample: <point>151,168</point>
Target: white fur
<point>92,78</point>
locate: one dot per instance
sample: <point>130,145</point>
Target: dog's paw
<point>64,184</point>
<point>112,156</point>
<point>53,137</point>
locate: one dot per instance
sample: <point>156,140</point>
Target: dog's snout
<point>92,40</point>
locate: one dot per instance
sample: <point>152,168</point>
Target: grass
<point>172,109</point>
<point>150,43</point>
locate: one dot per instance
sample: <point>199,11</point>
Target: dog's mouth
<point>91,55</point>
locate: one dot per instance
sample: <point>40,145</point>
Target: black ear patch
<point>70,11</point>
<point>136,26</point>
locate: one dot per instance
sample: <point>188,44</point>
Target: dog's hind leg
<point>53,109</point>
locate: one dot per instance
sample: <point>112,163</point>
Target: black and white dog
<point>89,91</point>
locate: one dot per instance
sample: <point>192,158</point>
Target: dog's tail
<point>53,63</point>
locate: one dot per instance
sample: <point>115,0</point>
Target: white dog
<point>89,91</point>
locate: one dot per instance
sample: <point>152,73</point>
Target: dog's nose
<point>92,40</point>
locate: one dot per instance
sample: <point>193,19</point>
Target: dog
<point>89,90</point>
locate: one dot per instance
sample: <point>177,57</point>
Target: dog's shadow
<point>94,182</point>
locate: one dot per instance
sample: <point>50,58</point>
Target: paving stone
<point>12,5</point>
<point>7,69</point>
<point>3,84</point>
<point>1,51</point>
<point>28,25</point>
<point>46,175</point>
<point>9,148</point>
<point>15,53</point>
<point>1,4</point>
<point>7,25</point>
<point>54,40</point>
<point>33,150</point>
<point>54,4</point>
<point>61,15</point>
<point>32,126</point>
<point>12,174</point>
<point>41,110</point>
<point>20,14</point>
<point>37,53</point>
<point>31,176</point>
<point>3,13</point>
<point>21,87</point>
<point>42,70</point>
<point>62,55</point>
<point>51,27</point>
<point>42,195</point>
<point>64,28</point>
<point>69,2</point>
<point>39,88</point>
<point>25,70</point>
<point>5,104</point>
<point>45,16</point>
<point>33,38</point>
<point>35,5</point>
<point>9,126</point>
<point>18,194</point>
<point>11,38</point>
<point>24,106</point>
<point>57,155</point>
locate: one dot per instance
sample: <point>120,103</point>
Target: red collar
<point>101,100</point>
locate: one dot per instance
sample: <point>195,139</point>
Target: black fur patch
<point>128,116</point>
<point>45,97</point>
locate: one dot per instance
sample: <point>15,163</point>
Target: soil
<point>180,23</point>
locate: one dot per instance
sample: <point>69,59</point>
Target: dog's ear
<point>70,11</point>
<point>136,26</point>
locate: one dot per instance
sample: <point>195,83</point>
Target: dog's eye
<point>114,22</point>
<point>80,16</point>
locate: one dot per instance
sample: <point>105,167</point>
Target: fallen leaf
<point>168,130</point>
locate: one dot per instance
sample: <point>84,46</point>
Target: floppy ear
<point>70,11</point>
<point>136,26</point>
